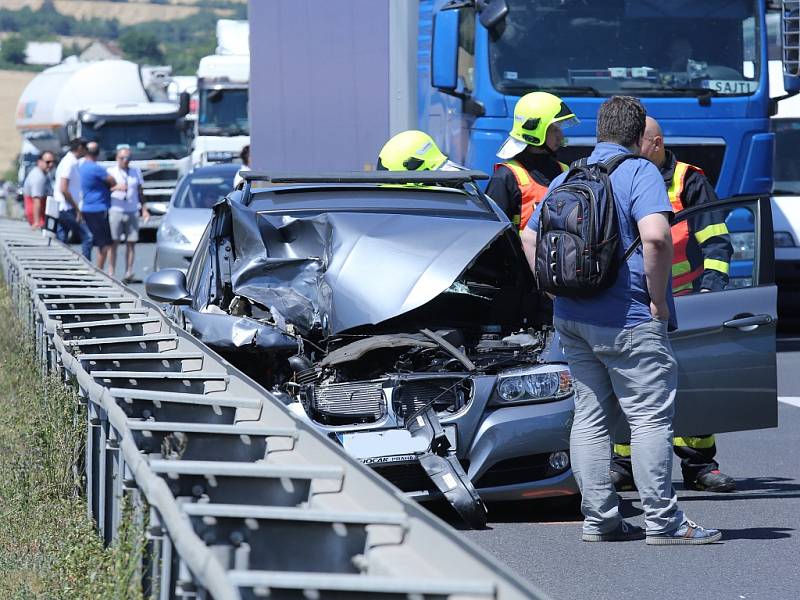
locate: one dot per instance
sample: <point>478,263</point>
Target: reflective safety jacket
<point>702,245</point>
<point>532,191</point>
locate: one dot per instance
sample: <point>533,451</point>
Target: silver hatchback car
<point>402,320</point>
<point>189,212</point>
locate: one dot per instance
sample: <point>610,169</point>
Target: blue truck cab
<point>700,68</point>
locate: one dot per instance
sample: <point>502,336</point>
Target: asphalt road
<point>757,559</point>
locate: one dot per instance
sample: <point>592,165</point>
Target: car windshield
<point>223,112</point>
<point>603,47</point>
<point>786,168</point>
<point>147,140</point>
<point>203,191</point>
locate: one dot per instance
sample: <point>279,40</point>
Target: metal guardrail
<point>244,500</point>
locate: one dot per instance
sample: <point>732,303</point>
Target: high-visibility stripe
<point>699,443</point>
<point>716,265</point>
<point>622,449</point>
<point>711,231</point>
<point>680,268</point>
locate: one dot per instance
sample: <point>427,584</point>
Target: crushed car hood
<point>344,270</point>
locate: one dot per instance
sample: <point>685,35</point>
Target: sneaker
<point>624,532</point>
<point>688,533</point>
<point>622,481</point>
<point>712,481</point>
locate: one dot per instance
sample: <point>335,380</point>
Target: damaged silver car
<point>397,314</point>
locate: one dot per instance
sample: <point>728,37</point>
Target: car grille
<point>344,403</point>
<point>160,175</point>
<point>445,394</point>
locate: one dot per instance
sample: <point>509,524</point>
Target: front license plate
<point>388,445</point>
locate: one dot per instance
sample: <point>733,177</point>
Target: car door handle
<point>748,323</point>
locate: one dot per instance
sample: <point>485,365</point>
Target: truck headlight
<point>542,383</point>
<point>168,233</point>
<point>784,239</point>
<point>744,245</point>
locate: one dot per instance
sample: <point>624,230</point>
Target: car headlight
<point>542,383</point>
<point>168,233</point>
<point>784,239</point>
<point>744,245</point>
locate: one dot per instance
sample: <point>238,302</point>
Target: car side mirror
<point>169,286</point>
<point>444,50</point>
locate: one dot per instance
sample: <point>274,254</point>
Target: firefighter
<point>413,150</point>
<point>529,152</point>
<point>700,264</point>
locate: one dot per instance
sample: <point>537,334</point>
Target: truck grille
<point>345,403</point>
<point>447,394</point>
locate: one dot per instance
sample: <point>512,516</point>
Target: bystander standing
<point>245,156</point>
<point>618,350</point>
<point>127,202</point>
<point>96,184</point>
<point>68,193</point>
<point>37,187</point>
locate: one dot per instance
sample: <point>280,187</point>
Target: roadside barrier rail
<point>241,499</point>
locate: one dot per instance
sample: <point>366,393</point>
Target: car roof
<point>222,169</point>
<point>357,197</point>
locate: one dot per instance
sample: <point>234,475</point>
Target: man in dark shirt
<point>702,254</point>
<point>520,183</point>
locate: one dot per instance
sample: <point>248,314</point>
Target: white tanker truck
<point>111,102</point>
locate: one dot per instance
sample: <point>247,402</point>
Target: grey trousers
<point>630,373</point>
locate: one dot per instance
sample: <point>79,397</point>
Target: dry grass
<point>11,85</point>
<point>48,546</point>
<point>128,13</point>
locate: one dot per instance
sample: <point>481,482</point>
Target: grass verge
<point>48,545</point>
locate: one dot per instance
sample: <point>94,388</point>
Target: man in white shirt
<point>245,156</point>
<point>67,191</point>
<point>127,200</point>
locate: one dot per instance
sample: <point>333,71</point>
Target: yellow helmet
<point>411,151</point>
<point>533,114</point>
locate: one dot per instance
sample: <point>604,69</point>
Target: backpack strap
<point>610,166</point>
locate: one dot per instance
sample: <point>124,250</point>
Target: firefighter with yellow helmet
<point>413,151</point>
<point>529,152</point>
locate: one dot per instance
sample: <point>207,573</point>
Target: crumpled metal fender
<point>227,332</point>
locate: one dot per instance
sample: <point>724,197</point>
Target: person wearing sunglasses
<point>37,187</point>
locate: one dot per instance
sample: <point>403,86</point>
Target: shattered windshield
<point>786,169</point>
<point>147,140</point>
<point>603,47</point>
<point>224,112</point>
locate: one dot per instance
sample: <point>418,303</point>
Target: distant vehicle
<point>107,101</point>
<point>222,127</point>
<point>372,309</point>
<point>786,200</point>
<point>189,212</point>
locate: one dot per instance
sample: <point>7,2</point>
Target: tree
<point>13,50</point>
<point>141,46</point>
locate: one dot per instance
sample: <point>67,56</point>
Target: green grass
<point>48,545</point>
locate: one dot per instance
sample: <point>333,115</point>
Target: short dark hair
<point>245,154</point>
<point>77,143</point>
<point>621,120</point>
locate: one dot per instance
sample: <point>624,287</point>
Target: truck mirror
<point>183,103</point>
<point>493,13</point>
<point>444,52</point>
<point>790,29</point>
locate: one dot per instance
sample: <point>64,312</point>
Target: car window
<point>203,191</point>
<point>715,249</point>
<point>199,273</point>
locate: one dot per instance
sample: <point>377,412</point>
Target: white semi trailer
<point>107,101</point>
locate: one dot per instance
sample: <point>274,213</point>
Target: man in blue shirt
<point>618,350</point>
<point>96,185</point>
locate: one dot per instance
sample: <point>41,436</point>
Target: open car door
<point>725,341</point>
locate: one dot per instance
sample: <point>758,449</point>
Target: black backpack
<point>577,248</point>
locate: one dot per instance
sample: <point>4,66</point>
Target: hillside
<point>131,12</point>
<point>11,85</point>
